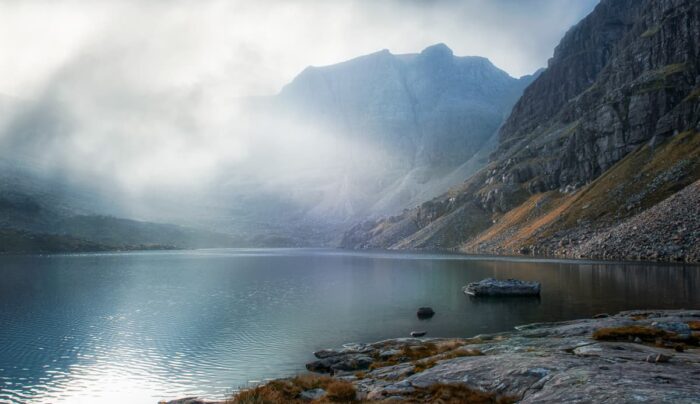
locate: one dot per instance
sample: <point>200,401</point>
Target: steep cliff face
<point>617,80</point>
<point>625,78</point>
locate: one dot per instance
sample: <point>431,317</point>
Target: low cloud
<point>144,96</point>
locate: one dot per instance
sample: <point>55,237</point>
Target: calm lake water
<point>139,327</point>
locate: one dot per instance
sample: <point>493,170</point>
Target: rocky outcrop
<point>507,287</point>
<point>618,79</point>
<point>668,231</point>
<point>650,356</point>
<point>619,98</point>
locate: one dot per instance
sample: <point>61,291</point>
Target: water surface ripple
<point>139,327</point>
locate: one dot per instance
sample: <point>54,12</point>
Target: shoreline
<point>638,355</point>
<point>457,254</point>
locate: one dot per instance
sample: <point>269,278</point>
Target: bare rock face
<point>549,363</point>
<point>619,78</point>
<point>624,80</point>
<point>600,359</point>
<point>508,287</point>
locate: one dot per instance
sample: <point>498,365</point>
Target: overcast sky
<point>255,47</point>
<point>149,93</point>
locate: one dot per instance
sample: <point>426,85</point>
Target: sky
<point>255,47</point>
<point>144,93</point>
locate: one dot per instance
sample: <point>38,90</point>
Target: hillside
<point>607,132</point>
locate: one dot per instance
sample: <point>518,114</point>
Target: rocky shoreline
<point>632,356</point>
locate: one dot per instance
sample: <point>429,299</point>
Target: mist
<point>153,103</point>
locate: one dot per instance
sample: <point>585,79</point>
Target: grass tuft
<point>340,391</point>
<point>459,393</point>
<point>286,390</point>
<point>422,365</point>
<point>631,332</point>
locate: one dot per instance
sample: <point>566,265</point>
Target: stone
<point>418,333</point>
<point>189,400</point>
<point>326,353</point>
<point>682,330</point>
<point>314,394</point>
<point>359,362</point>
<point>425,312</point>
<point>343,362</point>
<point>389,353</point>
<point>658,358</point>
<point>508,287</point>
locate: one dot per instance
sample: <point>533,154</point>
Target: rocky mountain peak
<point>430,111</point>
<point>437,51</point>
<point>609,129</point>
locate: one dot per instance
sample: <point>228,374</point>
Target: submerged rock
<point>546,363</point>
<point>341,362</point>
<point>389,353</point>
<point>425,312</point>
<point>418,333</point>
<point>508,287</point>
<point>310,395</point>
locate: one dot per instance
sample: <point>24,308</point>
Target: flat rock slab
<point>507,287</point>
<point>552,363</point>
<point>536,363</point>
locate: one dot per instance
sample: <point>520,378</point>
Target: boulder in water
<point>497,287</point>
<point>425,312</point>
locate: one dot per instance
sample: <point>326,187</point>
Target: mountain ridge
<point>622,83</point>
<point>430,111</point>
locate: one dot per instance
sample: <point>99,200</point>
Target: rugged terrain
<point>608,131</point>
<point>634,356</point>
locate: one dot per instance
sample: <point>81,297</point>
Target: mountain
<point>431,113</point>
<point>367,137</point>
<point>590,159</point>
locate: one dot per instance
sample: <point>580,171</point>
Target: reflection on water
<point>139,327</point>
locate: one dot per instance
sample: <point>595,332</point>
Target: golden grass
<point>457,394</point>
<point>288,390</point>
<point>596,202</point>
<point>422,365</point>
<point>409,353</point>
<point>629,176</point>
<point>626,333</point>
<point>694,325</point>
<point>340,391</point>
